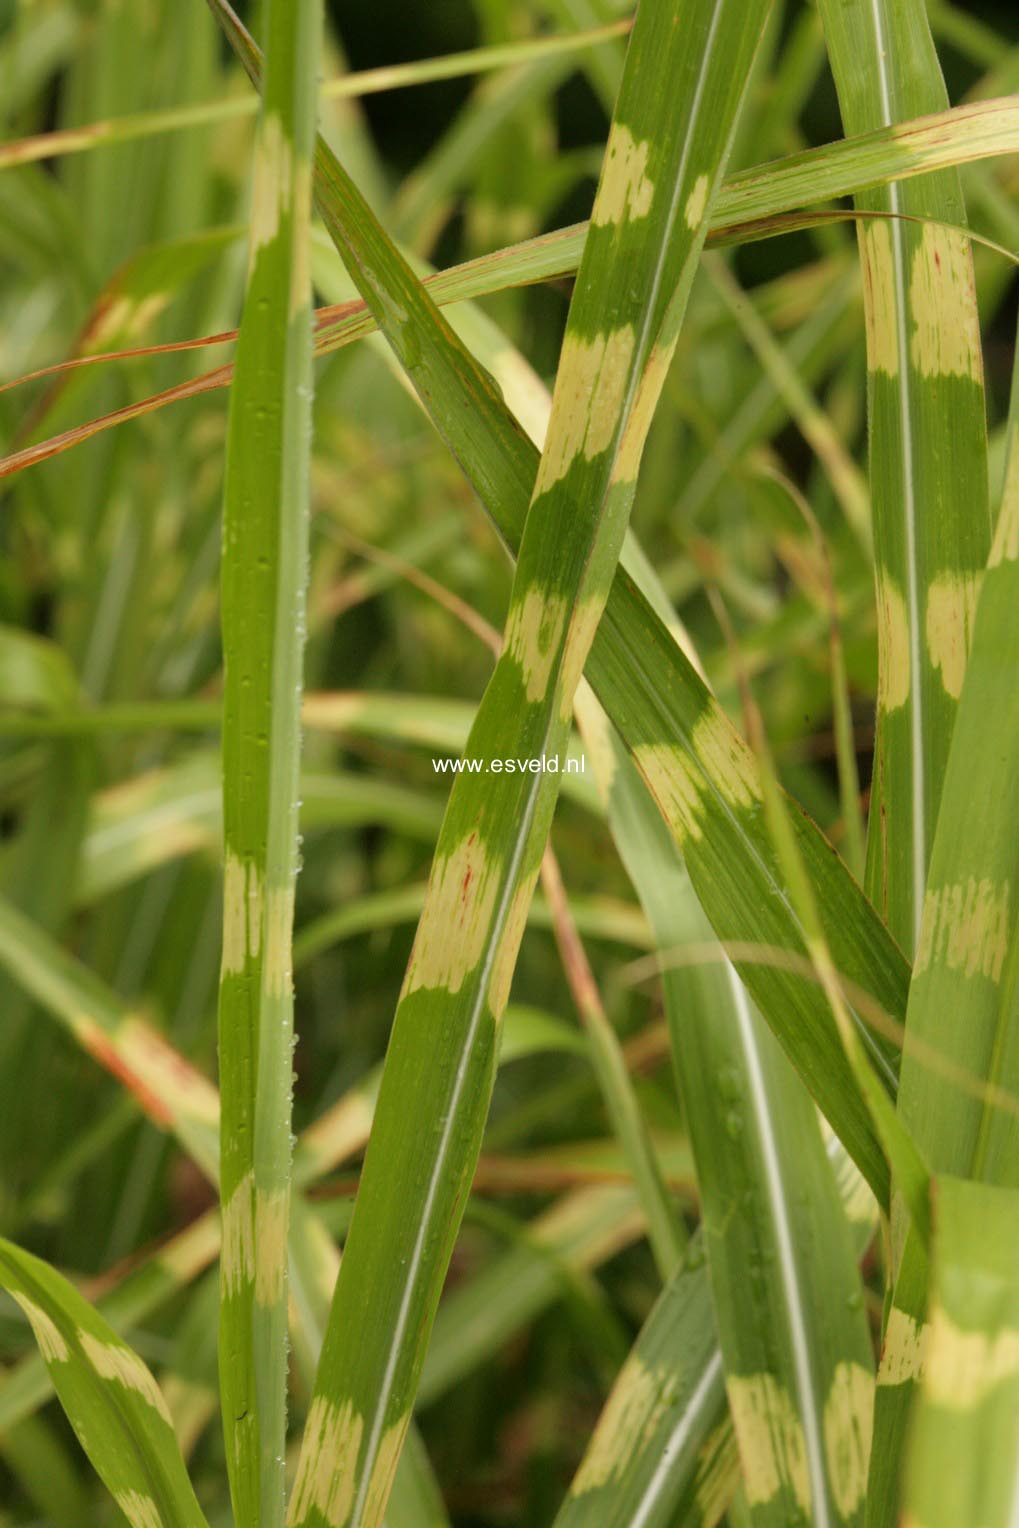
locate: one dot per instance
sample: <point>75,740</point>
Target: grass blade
<point>928,449</point>
<point>963,994</point>
<point>110,1397</point>
<point>175,1095</point>
<point>797,1360</point>
<point>682,1465</point>
<point>963,1457</point>
<point>27,1384</point>
<point>661,1452</point>
<point>928,459</point>
<point>265,537</point>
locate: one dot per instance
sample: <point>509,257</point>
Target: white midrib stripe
<point>674,1442</point>
<point>919,819</point>
<point>786,1258</point>
<point>499,917</point>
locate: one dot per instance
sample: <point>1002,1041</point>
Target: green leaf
<point>662,1452</point>
<point>960,1056</point>
<point>963,1464</point>
<point>143,1289</point>
<point>264,572</point>
<point>111,1399</point>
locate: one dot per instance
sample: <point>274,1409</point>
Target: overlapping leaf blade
<point>662,1451</point>
<point>749,206</point>
<point>797,1362</point>
<point>960,1056</point>
<point>669,717</point>
<point>110,1397</point>
<point>928,449</point>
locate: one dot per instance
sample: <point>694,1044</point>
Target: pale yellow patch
<point>848,1428</point>
<point>627,1425</point>
<point>942,301</point>
<point>504,964</point>
<point>857,1197</point>
<point>383,1470</point>
<point>589,391</point>
<point>951,613</point>
<point>235,915</point>
<point>337,1134</point>
<point>237,1257</point>
<point>1006,532</point>
<point>47,1334</point>
<point>451,935</point>
<point>273,176</point>
<point>300,260</point>
<point>495,224</point>
<point>279,931</point>
<point>726,759</point>
<point>533,633</point>
<point>904,1350</point>
<point>578,644</point>
<point>607,396</point>
<point>626,192</point>
<point>127,318</point>
<point>242,914</point>
<point>333,712</point>
<point>772,1447</point>
<point>696,202</point>
<point>596,731</point>
<point>115,1362</point>
<point>677,786</point>
<point>635,432</point>
<point>327,1259</point>
<point>140,1511</point>
<point>877,266</point>
<point>963,1367</point>
<point>893,646</point>
<point>966,927</point>
<point>179,1088</point>
<point>272,1220</point>
<point>326,1469</point>
<point>89,1035</point>
<point>194,1249</point>
<point>717,1467</point>
<point>569,1225</point>
<point>524,391</point>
